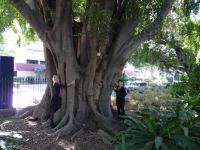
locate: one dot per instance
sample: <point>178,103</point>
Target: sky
<point>196,17</point>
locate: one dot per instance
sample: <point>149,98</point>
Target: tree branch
<point>150,31</point>
<point>124,30</point>
<point>32,4</point>
<point>31,17</point>
<point>109,6</point>
<point>60,8</point>
<point>119,29</point>
<point>125,39</point>
<point>44,10</point>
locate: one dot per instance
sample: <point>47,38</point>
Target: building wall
<point>26,74</point>
<point>24,56</point>
<point>29,74</point>
<point>32,52</point>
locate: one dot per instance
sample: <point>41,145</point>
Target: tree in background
<point>38,70</point>
<point>177,42</point>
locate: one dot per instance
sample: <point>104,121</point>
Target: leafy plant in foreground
<point>156,130</point>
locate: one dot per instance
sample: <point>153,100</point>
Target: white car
<point>138,85</point>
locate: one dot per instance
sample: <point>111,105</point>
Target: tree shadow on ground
<point>22,134</point>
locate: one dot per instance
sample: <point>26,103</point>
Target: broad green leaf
<point>158,142</point>
<point>140,140</point>
<point>186,131</point>
<point>132,121</point>
<point>172,146</point>
<point>170,125</point>
<point>186,142</point>
<point>123,143</point>
<point>151,124</point>
<point>148,145</point>
<point>164,147</point>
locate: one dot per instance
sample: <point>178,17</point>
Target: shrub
<point>161,130</point>
<point>190,85</point>
<point>179,89</point>
<point>153,96</point>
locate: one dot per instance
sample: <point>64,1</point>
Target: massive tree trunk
<point>75,52</point>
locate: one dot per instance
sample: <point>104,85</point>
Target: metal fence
<point>6,92</point>
<point>28,91</point>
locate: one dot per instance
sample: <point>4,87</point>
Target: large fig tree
<point>88,41</point>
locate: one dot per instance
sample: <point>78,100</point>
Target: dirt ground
<point>35,138</point>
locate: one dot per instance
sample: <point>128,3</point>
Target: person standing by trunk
<point>120,97</point>
<point>56,100</point>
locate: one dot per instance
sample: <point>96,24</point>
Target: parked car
<point>34,80</point>
<point>30,80</point>
<point>19,79</point>
<point>138,85</point>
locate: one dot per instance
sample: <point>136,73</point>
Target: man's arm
<point>71,83</point>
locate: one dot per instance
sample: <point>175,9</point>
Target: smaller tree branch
<point>125,39</point>
<point>60,8</point>
<point>32,4</point>
<point>109,6</point>
<point>118,9</point>
<point>122,4</point>
<point>31,17</point>
<point>150,31</point>
<point>44,10</point>
<point>121,31</point>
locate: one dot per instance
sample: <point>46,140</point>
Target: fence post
<point>6,85</point>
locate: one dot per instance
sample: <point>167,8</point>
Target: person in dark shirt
<point>56,100</point>
<point>120,97</point>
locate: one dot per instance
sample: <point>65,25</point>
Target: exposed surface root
<point>63,121</point>
<point>57,116</point>
<point>26,112</point>
<point>109,125</point>
<point>45,124</point>
<point>66,130</point>
<point>105,136</point>
<point>77,134</point>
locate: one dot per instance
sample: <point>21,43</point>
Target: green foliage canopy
<point>101,23</point>
<point>12,20</point>
<point>178,30</point>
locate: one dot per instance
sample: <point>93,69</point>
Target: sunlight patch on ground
<point>131,110</point>
<point>2,144</point>
<point>5,122</point>
<point>10,139</point>
<point>11,134</point>
<point>66,145</point>
<point>133,102</point>
<point>32,123</point>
